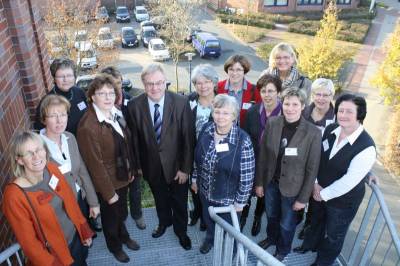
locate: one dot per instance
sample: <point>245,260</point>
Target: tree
<point>392,147</point>
<point>177,23</point>
<point>322,57</point>
<point>387,78</point>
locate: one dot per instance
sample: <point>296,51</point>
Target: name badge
<point>82,106</point>
<point>325,145</point>
<point>65,168</point>
<point>246,106</point>
<point>291,151</point>
<point>193,104</point>
<point>126,101</point>
<point>53,182</point>
<point>222,147</point>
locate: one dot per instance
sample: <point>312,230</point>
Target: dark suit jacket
<point>175,150</point>
<point>298,173</point>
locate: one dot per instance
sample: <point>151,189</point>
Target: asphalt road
<point>132,61</point>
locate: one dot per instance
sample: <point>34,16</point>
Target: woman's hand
<point>316,192</point>
<point>181,177</point>
<point>297,206</point>
<point>94,211</point>
<point>114,199</point>
<point>87,242</point>
<point>260,192</point>
<point>194,187</point>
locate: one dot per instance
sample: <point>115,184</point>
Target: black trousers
<point>112,220</point>
<point>78,251</point>
<point>171,203</point>
<point>135,199</point>
<point>197,211</point>
<point>260,207</point>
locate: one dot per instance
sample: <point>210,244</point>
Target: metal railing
<point>375,240</point>
<point>7,254</point>
<point>225,237</point>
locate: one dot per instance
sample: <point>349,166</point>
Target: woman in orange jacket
<point>42,209</point>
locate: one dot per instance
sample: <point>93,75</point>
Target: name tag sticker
<point>126,101</point>
<point>246,106</point>
<point>65,168</point>
<point>53,182</point>
<point>291,151</point>
<point>325,145</point>
<point>222,147</point>
<point>193,104</point>
<point>82,106</point>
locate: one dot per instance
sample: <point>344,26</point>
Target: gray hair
<point>207,71</point>
<point>150,69</point>
<point>295,91</point>
<point>225,100</point>
<point>323,83</point>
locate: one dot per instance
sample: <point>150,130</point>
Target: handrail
<point>243,241</point>
<point>7,253</point>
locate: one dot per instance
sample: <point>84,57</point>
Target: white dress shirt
<point>359,166</point>
<point>113,122</point>
<point>160,108</point>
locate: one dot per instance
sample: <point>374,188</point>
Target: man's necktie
<point>157,122</point>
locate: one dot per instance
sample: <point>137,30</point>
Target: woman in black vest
<point>348,153</point>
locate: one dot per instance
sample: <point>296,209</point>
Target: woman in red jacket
<point>42,209</point>
<point>236,85</point>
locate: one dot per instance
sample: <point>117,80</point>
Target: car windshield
<point>122,10</point>
<point>149,34</point>
<point>81,37</point>
<point>105,36</point>
<point>129,34</point>
<point>141,11</point>
<point>212,44</point>
<point>158,46</point>
<point>88,54</point>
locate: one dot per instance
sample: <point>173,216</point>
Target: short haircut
<point>113,71</point>
<point>52,100</point>
<point>242,60</point>
<point>294,91</point>
<point>266,79</point>
<point>62,63</point>
<point>207,71</point>
<point>281,47</point>
<point>358,101</point>
<point>150,69</point>
<point>225,100</point>
<point>322,83</point>
<point>17,143</point>
<point>98,82</point>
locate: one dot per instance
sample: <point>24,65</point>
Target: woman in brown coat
<point>104,142</point>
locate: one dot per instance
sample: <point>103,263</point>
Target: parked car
<point>146,23</point>
<point>83,81</point>
<point>87,57</point>
<point>147,33</point>
<point>102,14</point>
<point>206,44</point>
<point>122,14</point>
<point>158,22</point>
<point>81,39</point>
<point>141,13</point>
<point>158,50</point>
<point>129,38</point>
<point>105,38</point>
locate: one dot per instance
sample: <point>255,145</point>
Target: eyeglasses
<point>222,113</point>
<point>280,58</point>
<point>155,84</point>
<point>57,116</point>
<point>106,94</point>
<point>29,154</point>
<point>268,91</point>
<point>68,76</point>
<point>322,95</point>
<point>207,82</point>
<point>236,70</point>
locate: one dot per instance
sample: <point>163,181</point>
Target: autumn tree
<point>322,57</point>
<point>177,22</point>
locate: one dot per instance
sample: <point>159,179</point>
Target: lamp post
<point>190,58</point>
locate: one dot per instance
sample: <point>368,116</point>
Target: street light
<point>190,58</point>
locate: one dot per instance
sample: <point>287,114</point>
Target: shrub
<point>264,50</point>
<point>304,27</point>
<point>259,21</point>
<point>249,36</point>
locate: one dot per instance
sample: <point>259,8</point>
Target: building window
<point>343,2</point>
<point>310,2</point>
<point>275,2</point>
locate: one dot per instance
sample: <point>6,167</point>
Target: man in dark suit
<point>163,136</point>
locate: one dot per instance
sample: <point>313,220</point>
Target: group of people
<point>225,142</point>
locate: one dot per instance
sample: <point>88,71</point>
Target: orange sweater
<point>22,220</point>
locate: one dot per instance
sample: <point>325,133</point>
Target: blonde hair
<point>52,100</point>
<point>322,83</point>
<point>281,47</point>
<point>225,100</point>
<point>17,143</point>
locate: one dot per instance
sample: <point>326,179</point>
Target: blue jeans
<point>336,222</point>
<point>281,218</point>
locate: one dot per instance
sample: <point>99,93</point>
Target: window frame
<point>343,2</point>
<point>307,3</point>
<point>275,3</point>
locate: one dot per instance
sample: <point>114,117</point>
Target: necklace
<point>220,134</point>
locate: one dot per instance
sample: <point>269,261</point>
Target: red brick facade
<point>24,78</point>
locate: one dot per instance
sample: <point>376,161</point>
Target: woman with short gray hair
<point>204,79</point>
<point>224,164</point>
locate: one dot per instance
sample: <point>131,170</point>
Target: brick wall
<point>24,77</point>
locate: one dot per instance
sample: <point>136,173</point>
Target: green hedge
<point>242,20</point>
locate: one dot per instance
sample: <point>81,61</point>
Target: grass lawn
<point>253,34</point>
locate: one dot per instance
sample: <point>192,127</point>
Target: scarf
<point>291,78</point>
